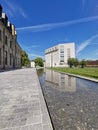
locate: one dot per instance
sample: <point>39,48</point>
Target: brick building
<point>92,63</point>
<point>10,51</point>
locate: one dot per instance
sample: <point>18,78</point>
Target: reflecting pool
<point>72,102</point>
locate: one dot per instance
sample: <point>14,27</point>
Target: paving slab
<point>22,105</point>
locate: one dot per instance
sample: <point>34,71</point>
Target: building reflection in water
<point>60,81</point>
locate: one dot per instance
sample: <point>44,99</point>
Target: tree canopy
<point>83,63</point>
<point>24,59</point>
<point>39,62</point>
<point>73,62</point>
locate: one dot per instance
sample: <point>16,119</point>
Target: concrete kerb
<point>46,103</point>
<point>43,102</point>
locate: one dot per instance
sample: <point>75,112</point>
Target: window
<point>18,61</point>
<point>62,49</point>
<point>6,39</point>
<point>11,44</point>
<point>68,52</point>
<point>5,57</point>
<point>0,56</point>
<point>10,59</point>
<point>61,60</point>
<point>0,35</point>
<point>62,53</point>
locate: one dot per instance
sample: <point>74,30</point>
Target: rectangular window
<point>68,52</point>
<point>62,49</point>
<point>10,44</point>
<point>62,53</point>
<point>0,56</point>
<point>0,35</point>
<point>5,57</point>
<point>61,60</point>
<point>6,40</point>
<point>16,60</point>
<point>10,59</point>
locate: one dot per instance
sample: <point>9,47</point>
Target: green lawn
<point>87,72</point>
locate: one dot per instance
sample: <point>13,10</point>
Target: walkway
<point>22,106</point>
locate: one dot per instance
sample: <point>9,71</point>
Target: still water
<point>72,102</point>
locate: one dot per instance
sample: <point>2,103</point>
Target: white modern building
<point>58,55</point>
<point>32,64</point>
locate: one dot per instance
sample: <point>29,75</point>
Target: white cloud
<point>34,46</point>
<point>50,26</point>
<point>84,44</point>
<point>13,9</point>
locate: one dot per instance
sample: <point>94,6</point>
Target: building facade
<point>57,56</point>
<point>32,64</point>
<point>10,51</point>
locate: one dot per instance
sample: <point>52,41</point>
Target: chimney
<point>9,26</point>
<point>13,30</point>
<point>4,19</point>
<point>0,11</point>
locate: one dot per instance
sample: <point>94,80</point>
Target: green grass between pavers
<point>87,72</point>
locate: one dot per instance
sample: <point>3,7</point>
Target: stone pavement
<point>22,106</point>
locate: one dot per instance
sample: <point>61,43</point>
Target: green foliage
<point>76,62</point>
<point>73,62</point>
<point>24,59</point>
<point>83,63</point>
<point>39,62</point>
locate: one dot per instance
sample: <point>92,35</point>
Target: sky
<point>41,24</point>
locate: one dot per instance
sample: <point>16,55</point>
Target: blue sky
<point>41,24</point>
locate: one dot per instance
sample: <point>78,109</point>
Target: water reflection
<point>72,102</point>
<point>40,72</point>
<point>60,81</point>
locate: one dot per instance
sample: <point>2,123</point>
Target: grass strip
<point>87,72</point>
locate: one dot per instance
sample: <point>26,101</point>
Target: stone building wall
<point>10,51</point>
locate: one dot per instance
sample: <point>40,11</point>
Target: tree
<point>39,62</point>
<point>83,63</point>
<point>76,62</point>
<point>73,62</point>
<point>24,59</point>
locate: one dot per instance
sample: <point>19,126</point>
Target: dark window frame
<point>6,58</point>
<point>6,40</point>
<point>0,56</point>
<point>0,35</point>
<point>10,59</point>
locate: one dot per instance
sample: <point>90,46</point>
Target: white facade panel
<point>32,64</point>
